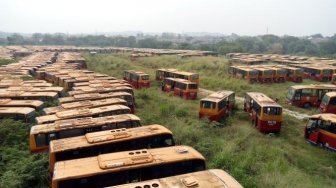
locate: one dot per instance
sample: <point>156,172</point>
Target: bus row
<point>114,142</point>
<point>267,73</point>
<point>318,72</point>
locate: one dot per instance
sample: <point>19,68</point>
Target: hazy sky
<point>244,17</point>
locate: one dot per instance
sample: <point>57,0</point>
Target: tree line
<point>315,45</point>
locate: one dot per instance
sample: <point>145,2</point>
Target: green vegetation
<point>18,167</point>
<point>6,61</point>
<point>253,158</point>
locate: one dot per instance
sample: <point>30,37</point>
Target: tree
<point>15,39</point>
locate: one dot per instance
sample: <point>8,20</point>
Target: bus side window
<point>221,104</point>
<point>168,140</point>
<point>332,102</point>
<point>136,124</point>
<point>52,136</point>
<point>40,140</point>
<point>307,92</point>
<point>109,127</point>
<point>71,133</point>
<point>332,128</point>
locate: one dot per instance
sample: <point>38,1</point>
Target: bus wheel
<point>306,105</point>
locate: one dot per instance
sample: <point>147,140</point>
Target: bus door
<point>312,132</point>
<point>320,94</point>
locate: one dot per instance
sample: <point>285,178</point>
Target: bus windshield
<point>282,72</point>
<point>311,123</point>
<point>208,104</point>
<point>325,100</point>
<point>268,72</point>
<point>145,77</point>
<point>299,71</point>
<point>194,77</point>
<point>253,72</point>
<point>192,86</point>
<point>290,94</point>
<point>181,86</point>
<point>326,72</point>
<point>272,110</point>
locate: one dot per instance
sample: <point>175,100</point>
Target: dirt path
<point>294,114</point>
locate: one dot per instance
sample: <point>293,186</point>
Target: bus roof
<point>109,136</point>
<point>16,110</point>
<point>245,69</point>
<point>27,94</point>
<point>140,73</point>
<point>36,89</point>
<point>184,73</point>
<point>88,103</point>
<point>167,70</point>
<point>180,80</point>
<point>10,102</point>
<point>81,122</point>
<point>92,96</point>
<point>262,99</point>
<point>314,86</point>
<point>325,117</point>
<point>114,162</point>
<point>88,89</point>
<point>84,104</point>
<point>217,96</point>
<point>73,113</point>
<point>213,178</point>
<point>331,94</point>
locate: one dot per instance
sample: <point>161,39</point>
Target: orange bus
<point>318,73</point>
<point>192,77</point>
<point>41,135</point>
<point>217,105</point>
<point>84,112</point>
<point>328,103</point>
<point>97,96</point>
<point>321,130</point>
<point>25,114</point>
<point>88,89</point>
<point>36,104</point>
<point>279,74</point>
<point>81,84</point>
<point>307,96</point>
<point>180,87</point>
<point>69,83</point>
<point>164,73</point>
<point>247,74</point>
<point>20,83</point>
<point>128,166</point>
<point>294,74</point>
<point>265,75</point>
<point>60,91</point>
<point>185,89</point>
<point>137,79</point>
<point>93,144</point>
<point>265,113</point>
<point>213,178</point>
<point>84,104</point>
<point>22,95</point>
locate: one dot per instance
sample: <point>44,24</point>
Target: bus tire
<point>306,105</point>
